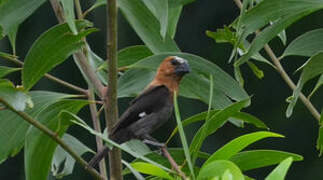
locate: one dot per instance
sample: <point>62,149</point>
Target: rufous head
<point>170,72</point>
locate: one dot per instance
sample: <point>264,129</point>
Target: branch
<point>285,76</point>
<point>110,99</point>
<point>97,127</point>
<point>54,136</point>
<point>52,78</point>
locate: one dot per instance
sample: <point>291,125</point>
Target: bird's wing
<point>151,100</point>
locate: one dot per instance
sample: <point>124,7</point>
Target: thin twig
<point>54,136</point>
<point>97,127</point>
<point>78,9</point>
<point>52,78</point>
<point>110,98</point>
<point>173,163</point>
<point>285,76</point>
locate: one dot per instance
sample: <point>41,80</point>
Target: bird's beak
<point>182,69</point>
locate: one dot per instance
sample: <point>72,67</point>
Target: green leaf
<point>14,128</point>
<point>248,160</point>
<point>317,86</point>
<point>39,147</point>
<point>15,97</point>
<point>215,122</point>
<point>73,118</point>
<point>282,13</point>
<point>51,49</point>
<point>280,171</point>
<point>134,81</point>
<point>150,169</point>
<point>196,84</point>
<point>14,12</point>
<point>134,172</point>
<point>177,154</point>
<point>129,56</point>
<point>174,12</point>
<point>159,8</point>
<point>319,142</point>
<point>7,70</point>
<point>63,163</point>
<point>149,29</point>
<point>183,136</point>
<point>132,54</point>
<point>68,7</point>
<point>12,37</point>
<point>256,71</point>
<point>313,67</point>
<point>307,44</point>
<point>238,144</point>
<point>217,169</point>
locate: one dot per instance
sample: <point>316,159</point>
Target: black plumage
<point>151,109</point>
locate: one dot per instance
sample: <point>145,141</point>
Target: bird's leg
<point>152,141</point>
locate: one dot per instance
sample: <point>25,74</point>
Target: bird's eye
<point>174,62</point>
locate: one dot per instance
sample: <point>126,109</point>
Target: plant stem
<point>78,9</point>
<point>80,57</point>
<point>173,163</point>
<point>111,102</point>
<point>55,137</point>
<point>97,127</point>
<point>53,78</point>
<point>285,76</point>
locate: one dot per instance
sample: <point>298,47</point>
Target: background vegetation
<point>269,91</point>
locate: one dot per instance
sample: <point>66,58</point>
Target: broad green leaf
<point>238,144</point>
<point>133,171</point>
<point>218,168</point>
<point>177,154</point>
<point>15,97</point>
<point>317,86</point>
<point>174,13</point>
<point>282,13</point>
<point>312,68</point>
<point>50,49</point>
<point>68,7</point>
<point>39,147</point>
<point>196,84</point>
<point>7,70</point>
<point>319,143</point>
<point>63,163</point>
<point>132,82</point>
<point>150,169</point>
<point>73,118</point>
<point>248,160</point>
<point>132,54</point>
<point>183,136</point>
<point>159,8</point>
<point>12,37</point>
<point>14,12</point>
<point>307,44</point>
<point>14,128</point>
<point>280,171</point>
<point>149,29</point>
<point>245,117</point>
<point>215,122</point>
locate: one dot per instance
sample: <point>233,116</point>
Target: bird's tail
<point>99,156</point>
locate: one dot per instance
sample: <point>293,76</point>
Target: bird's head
<point>174,66</point>
<point>170,72</point>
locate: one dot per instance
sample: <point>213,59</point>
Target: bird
<point>150,109</point>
